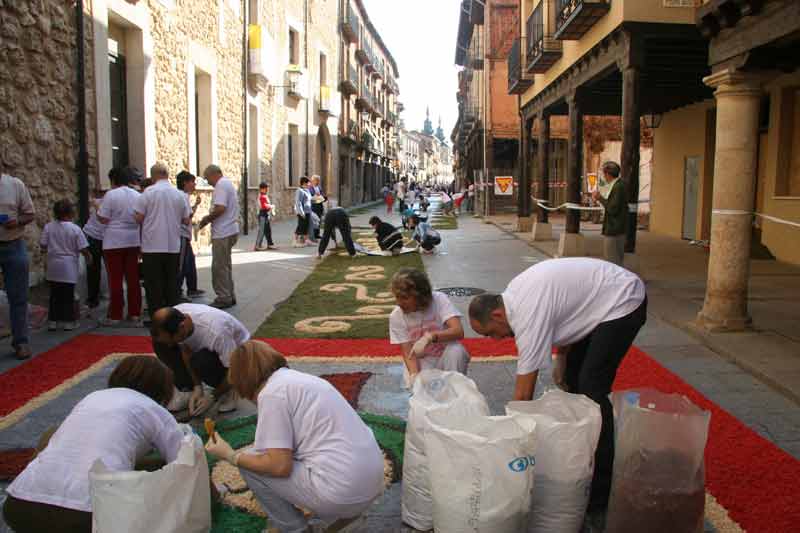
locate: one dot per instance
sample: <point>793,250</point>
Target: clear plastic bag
<point>659,472</point>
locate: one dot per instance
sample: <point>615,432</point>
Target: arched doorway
<point>324,162</point>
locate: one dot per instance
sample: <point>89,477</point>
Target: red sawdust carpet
<point>754,480</point>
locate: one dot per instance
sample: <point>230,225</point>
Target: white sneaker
<point>228,402</point>
<point>179,401</point>
<point>52,326</point>
<point>71,326</point>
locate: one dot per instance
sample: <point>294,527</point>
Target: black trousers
<point>430,242</point>
<point>205,363</point>
<point>33,517</point>
<point>160,280</point>
<point>62,302</point>
<point>318,209</point>
<point>264,230</point>
<point>93,271</point>
<point>188,267</point>
<point>592,365</point>
<point>302,225</point>
<point>337,219</point>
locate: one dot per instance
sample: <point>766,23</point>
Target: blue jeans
<point>15,265</point>
<point>188,267</point>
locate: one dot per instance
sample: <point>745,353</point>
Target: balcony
<point>543,49</point>
<point>575,17</point>
<point>369,63</point>
<point>380,66</point>
<point>365,102</point>
<point>260,62</point>
<point>361,49</point>
<point>325,100</point>
<point>349,83</point>
<point>350,24</point>
<point>518,81</point>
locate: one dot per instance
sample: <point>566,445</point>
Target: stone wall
<point>38,105</point>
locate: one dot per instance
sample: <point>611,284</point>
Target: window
<point>294,48</point>
<point>203,138</point>
<point>292,151</point>
<point>323,69</point>
<point>788,176</point>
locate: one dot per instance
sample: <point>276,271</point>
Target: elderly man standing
<point>591,311</point>
<point>16,212</point>
<point>224,220</point>
<point>161,209</point>
<point>615,222</point>
<point>196,341</point>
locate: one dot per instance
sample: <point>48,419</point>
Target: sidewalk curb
<point>691,330</point>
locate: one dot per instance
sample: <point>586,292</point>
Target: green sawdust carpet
<point>308,301</point>
<point>240,432</point>
<point>443,222</point>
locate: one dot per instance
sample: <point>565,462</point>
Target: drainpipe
<point>245,117</point>
<point>308,76</point>
<point>83,154</point>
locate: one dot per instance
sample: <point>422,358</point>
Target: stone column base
<point>571,245</point>
<point>524,224</point>
<point>542,231</point>
<point>722,325</point>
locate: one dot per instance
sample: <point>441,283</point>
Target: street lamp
<point>652,120</point>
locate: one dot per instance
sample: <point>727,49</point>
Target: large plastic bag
<point>482,472</point>
<point>432,389</point>
<point>659,474</point>
<point>174,499</point>
<point>567,431</point>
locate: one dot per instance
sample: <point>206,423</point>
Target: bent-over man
<point>196,342</point>
<point>591,311</point>
<point>337,218</point>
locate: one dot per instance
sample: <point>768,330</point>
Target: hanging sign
<point>503,185</point>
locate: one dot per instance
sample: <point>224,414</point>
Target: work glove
<point>220,449</point>
<point>418,350</point>
<point>199,401</point>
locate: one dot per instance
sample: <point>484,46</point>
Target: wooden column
<point>524,191</point>
<point>489,155</point>
<point>543,160</point>
<point>574,162</point>
<point>631,141</point>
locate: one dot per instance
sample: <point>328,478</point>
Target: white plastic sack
<point>567,432</point>
<point>174,499</point>
<point>481,472</point>
<point>433,389</point>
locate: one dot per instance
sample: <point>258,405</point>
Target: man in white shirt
<point>161,209</point>
<point>16,212</point>
<point>196,341</point>
<point>591,311</point>
<point>224,220</point>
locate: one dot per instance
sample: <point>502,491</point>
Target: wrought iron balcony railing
<point>543,49</point>
<point>575,17</point>
<point>518,82</point>
<point>350,24</point>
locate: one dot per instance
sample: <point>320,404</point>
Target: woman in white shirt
<point>312,450</point>
<point>117,425</point>
<point>426,325</point>
<point>121,247</point>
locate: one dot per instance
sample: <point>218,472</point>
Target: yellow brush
<point>210,427</point>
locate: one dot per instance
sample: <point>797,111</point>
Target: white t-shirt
<point>117,426</point>
<point>560,301</point>
<point>186,229</point>
<point>93,227</point>
<point>214,330</point>
<point>163,207</point>
<point>306,414</point>
<point>227,224</point>
<point>64,241</point>
<point>122,230</point>
<point>15,200</point>
<point>410,327</point>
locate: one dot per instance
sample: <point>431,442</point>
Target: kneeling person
<point>427,237</point>
<point>389,237</point>
<point>196,342</point>
<point>311,450</point>
<point>337,218</point>
<point>426,325</point>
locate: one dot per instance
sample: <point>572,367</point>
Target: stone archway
<point>324,161</point>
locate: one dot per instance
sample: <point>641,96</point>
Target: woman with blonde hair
<point>426,325</point>
<point>311,450</point>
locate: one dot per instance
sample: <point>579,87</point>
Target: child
<point>265,213</point>
<point>427,237</point>
<point>62,241</point>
